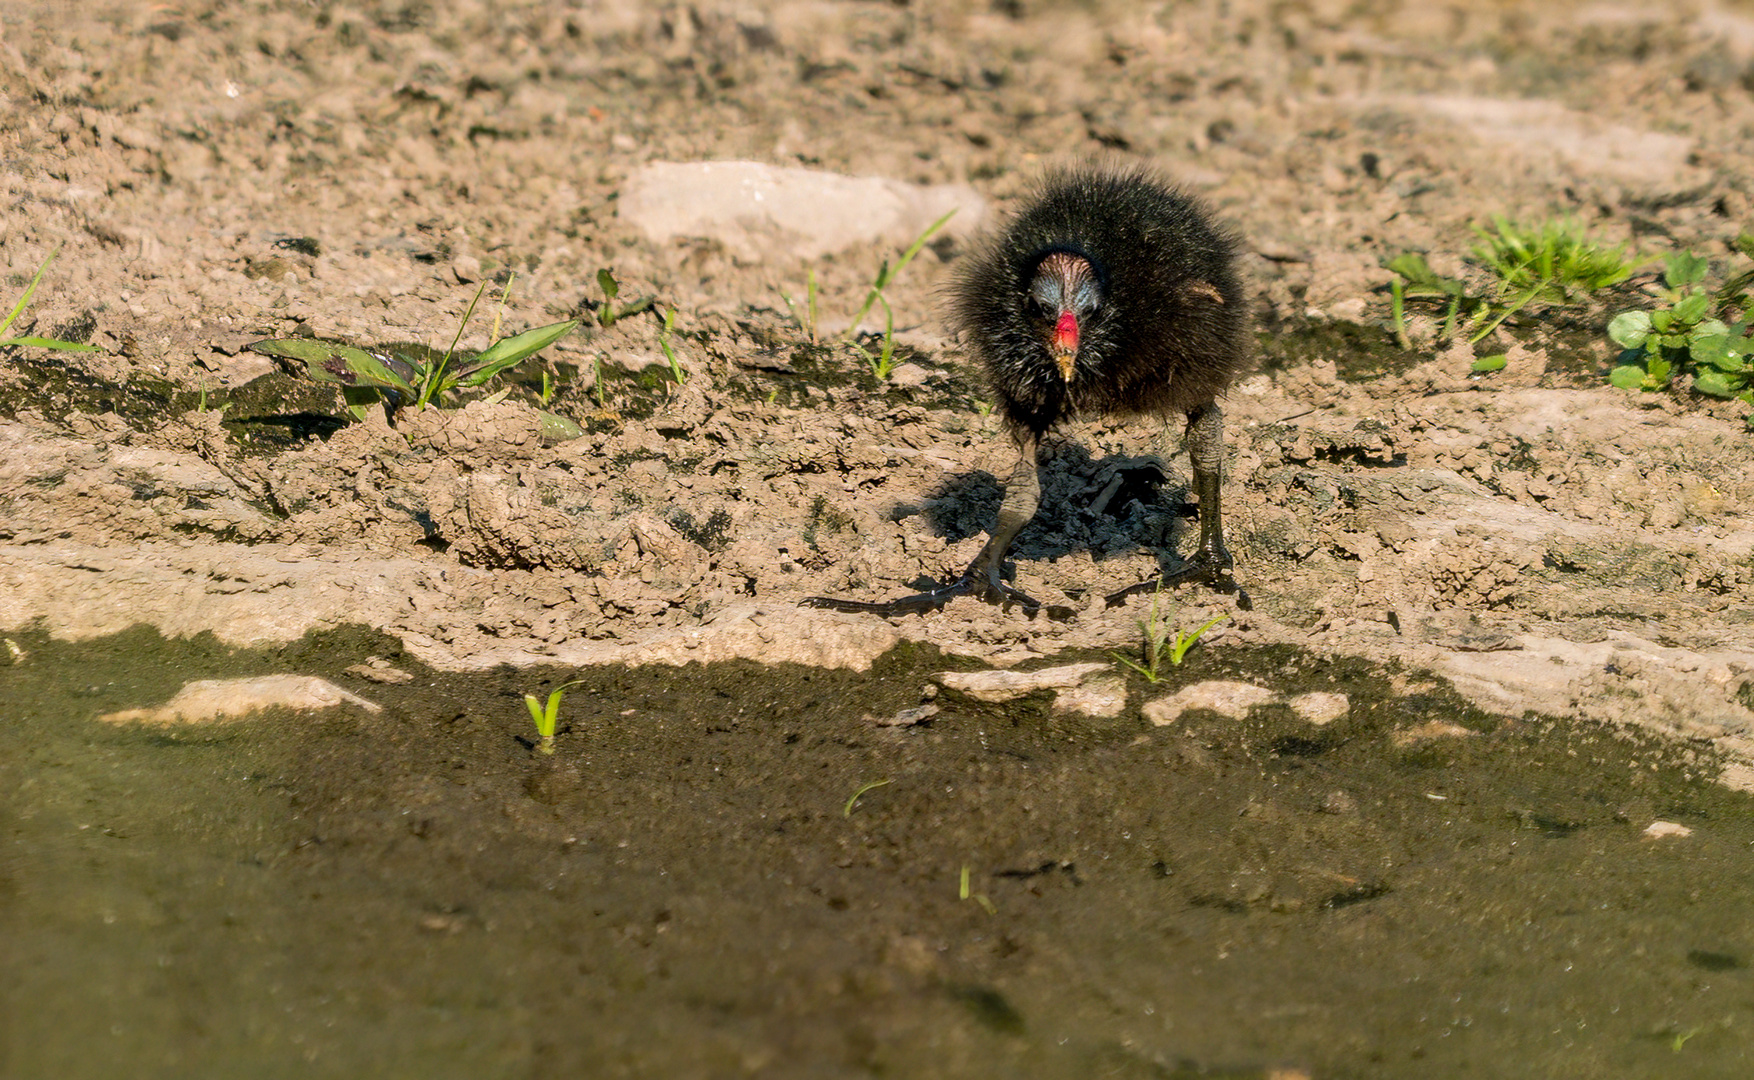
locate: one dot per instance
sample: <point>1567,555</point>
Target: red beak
<point>1065,344</point>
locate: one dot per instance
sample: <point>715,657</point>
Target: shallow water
<point>682,891</point>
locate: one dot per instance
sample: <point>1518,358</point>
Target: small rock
<point>212,700</point>
<point>1222,696</point>
<point>1431,729</point>
<point>1103,698</point>
<point>1658,830</point>
<point>1320,707</point>
<point>909,375</point>
<point>997,686</point>
<point>378,670</point>
<point>914,717</point>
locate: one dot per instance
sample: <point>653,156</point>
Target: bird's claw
<point>1202,569</point>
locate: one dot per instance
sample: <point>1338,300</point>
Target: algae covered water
<point>688,888</point>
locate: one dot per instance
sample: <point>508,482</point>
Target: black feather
<point>1171,331</point>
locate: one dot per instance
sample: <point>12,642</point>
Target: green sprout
<point>847,810</point>
<point>1159,644</point>
<point>806,321</point>
<point>979,898</point>
<point>885,362</point>
<point>32,340</point>
<point>676,372</point>
<point>608,313</point>
<point>547,714</point>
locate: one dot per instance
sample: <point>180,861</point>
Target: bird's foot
<point>1204,568</point>
<point>993,592</point>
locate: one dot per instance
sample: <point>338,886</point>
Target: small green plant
<point>884,363</point>
<point>963,893</point>
<point>547,714</point>
<point>676,372</point>
<point>1159,644</point>
<point>1686,336</point>
<point>608,313</point>
<point>415,375</point>
<point>1555,263</point>
<point>807,320</point>
<point>18,309</point>
<point>847,810</point>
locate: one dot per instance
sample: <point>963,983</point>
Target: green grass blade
<point>29,290</point>
<point>434,382</point>
<point>886,274</point>
<point>50,343</point>
<point>509,352</point>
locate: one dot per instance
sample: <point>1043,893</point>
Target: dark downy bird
<point>1110,293</point>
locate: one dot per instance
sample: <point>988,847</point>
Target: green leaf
<point>1490,363</point>
<point>1422,280</point>
<point>361,400</point>
<point>1715,383</point>
<point>512,351</point>
<point>1709,328</point>
<point>1659,370</point>
<point>1712,350</point>
<point>348,365</point>
<point>1692,307</point>
<point>1684,268</point>
<point>556,428</point>
<point>1627,376</point>
<point>1660,321</point>
<point>1630,329</point>
<point>606,281</point>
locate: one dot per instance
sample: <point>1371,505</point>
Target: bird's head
<point>1064,293</point>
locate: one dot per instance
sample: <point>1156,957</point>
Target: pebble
<point>207,701</point>
<point>1222,696</point>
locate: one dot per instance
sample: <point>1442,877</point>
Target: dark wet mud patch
<point>1359,352</point>
<point>682,890</point>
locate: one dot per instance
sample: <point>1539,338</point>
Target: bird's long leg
<point>1211,562</point>
<point>1022,497</point>
<point>984,576</point>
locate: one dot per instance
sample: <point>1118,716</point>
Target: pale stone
<point>209,701</point>
<point>1431,729</point>
<point>1321,707</point>
<point>1222,696</point>
<point>997,686</point>
<point>1104,698</point>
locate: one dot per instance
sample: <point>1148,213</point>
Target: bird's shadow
<point>1112,507</point>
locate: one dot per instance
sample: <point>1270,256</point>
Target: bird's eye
<point>1035,307</point>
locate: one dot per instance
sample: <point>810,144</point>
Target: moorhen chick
<point>1110,293</point>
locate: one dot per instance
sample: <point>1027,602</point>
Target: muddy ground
<point>212,174</point>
